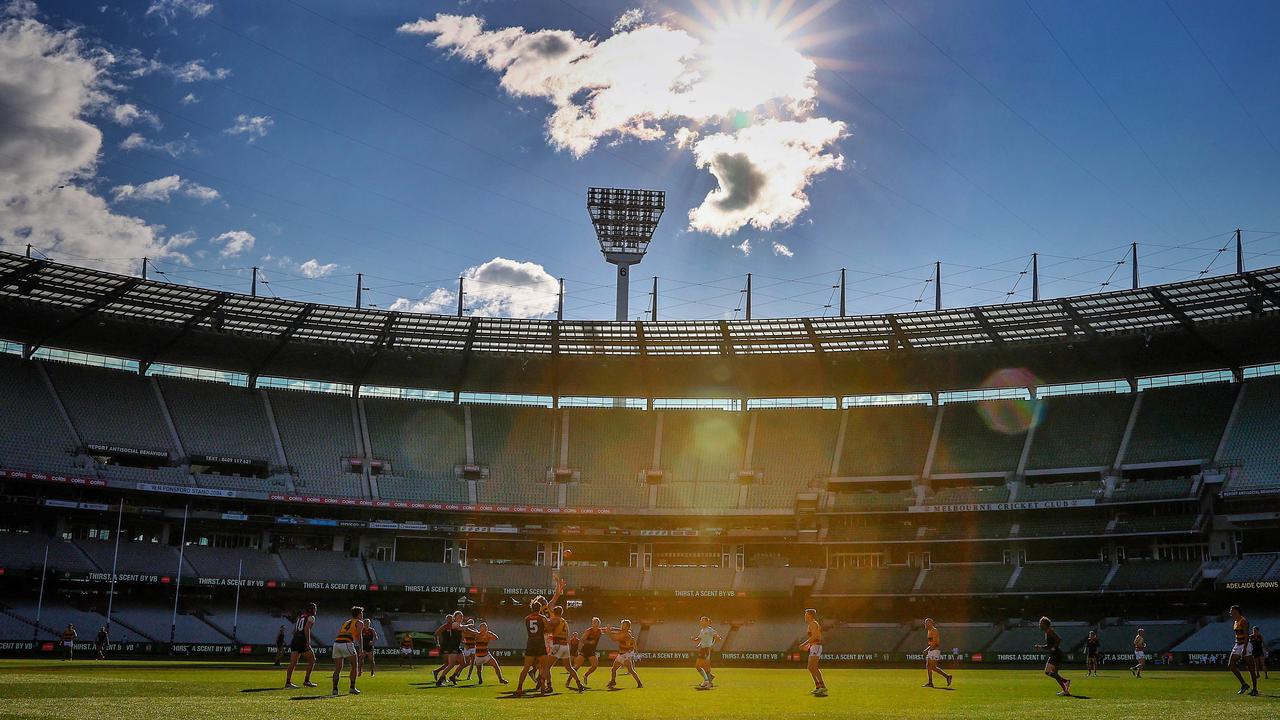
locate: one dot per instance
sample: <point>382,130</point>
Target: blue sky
<point>974,133</point>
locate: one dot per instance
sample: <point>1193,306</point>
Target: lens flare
<point>1011,416</point>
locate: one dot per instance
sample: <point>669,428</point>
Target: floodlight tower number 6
<point>624,222</point>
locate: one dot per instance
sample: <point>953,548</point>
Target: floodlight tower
<point>624,221</point>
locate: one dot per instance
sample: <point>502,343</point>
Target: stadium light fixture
<point>624,221</point>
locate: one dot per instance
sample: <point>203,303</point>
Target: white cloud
<point>254,126</point>
<point>782,250</point>
<point>173,148</point>
<point>439,302</point>
<point>127,114</point>
<point>234,242</point>
<point>630,19</point>
<point>161,189</point>
<point>497,288</point>
<point>190,98</point>
<point>167,10</point>
<point>195,71</point>
<point>192,71</point>
<point>315,269</point>
<point>49,80</point>
<point>762,172</point>
<point>744,247</point>
<point>649,81</point>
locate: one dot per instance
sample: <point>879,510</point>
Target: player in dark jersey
<point>450,636</point>
<point>100,643</point>
<point>587,649</point>
<point>1092,649</point>
<point>300,647</point>
<point>368,638</point>
<point>280,646</point>
<point>1258,648</point>
<point>1053,648</point>
<point>68,641</point>
<point>538,642</point>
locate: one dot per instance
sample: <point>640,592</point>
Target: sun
<point>750,53</point>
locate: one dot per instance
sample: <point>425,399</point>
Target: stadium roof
<point>1217,322</point>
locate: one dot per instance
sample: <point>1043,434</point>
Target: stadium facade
<point>1112,460</point>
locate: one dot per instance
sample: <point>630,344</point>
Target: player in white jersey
<point>705,641</point>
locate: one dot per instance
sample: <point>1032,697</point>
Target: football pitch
<point>192,691</point>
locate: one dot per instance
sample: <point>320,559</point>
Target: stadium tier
<point>895,488</point>
<point>1251,447</point>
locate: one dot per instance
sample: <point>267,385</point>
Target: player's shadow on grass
<point>312,697</point>
<point>511,695</point>
<point>934,687</point>
<point>270,689</point>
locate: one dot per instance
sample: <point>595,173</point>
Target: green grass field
<point>192,691</point>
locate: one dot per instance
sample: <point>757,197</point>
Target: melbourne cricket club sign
<point>998,506</point>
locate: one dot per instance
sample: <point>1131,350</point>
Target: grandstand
<point>885,501</point>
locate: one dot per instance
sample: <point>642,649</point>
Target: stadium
<point>214,493</point>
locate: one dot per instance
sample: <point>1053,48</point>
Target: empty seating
<point>692,578</point>
<point>764,636</point>
<point>968,638</point>
<point>1048,491</point>
<point>33,435</point>
<point>275,483</point>
<point>698,496</point>
<point>417,573</point>
<point>318,431</point>
<point>1144,490</point>
<point>420,439</point>
<point>863,638</point>
<point>610,446</point>
<point>22,551</point>
<point>1154,575</point>
<point>886,580</point>
<point>611,577</point>
<point>966,579</point>
<point>886,441</point>
<point>1147,524</point>
<point>97,399</point>
<point>323,566</point>
<point>1079,431</point>
<point>1056,525</point>
<point>702,445</point>
<point>1250,568</point>
<point>872,501</point>
<point>1252,442</point>
<point>157,622</point>
<point>972,495</point>
<point>1180,423</point>
<point>510,575</point>
<point>418,489</point>
<point>1216,636</point>
<point>1020,639</point>
<point>227,562</point>
<point>768,496</point>
<point>134,557</point>
<point>158,475</point>
<point>217,419</point>
<point>1085,576</point>
<point>633,494</point>
<point>519,444</point>
<point>971,441</point>
<point>1161,635</point>
<point>775,579</point>
<point>793,447</point>
<point>514,492</point>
